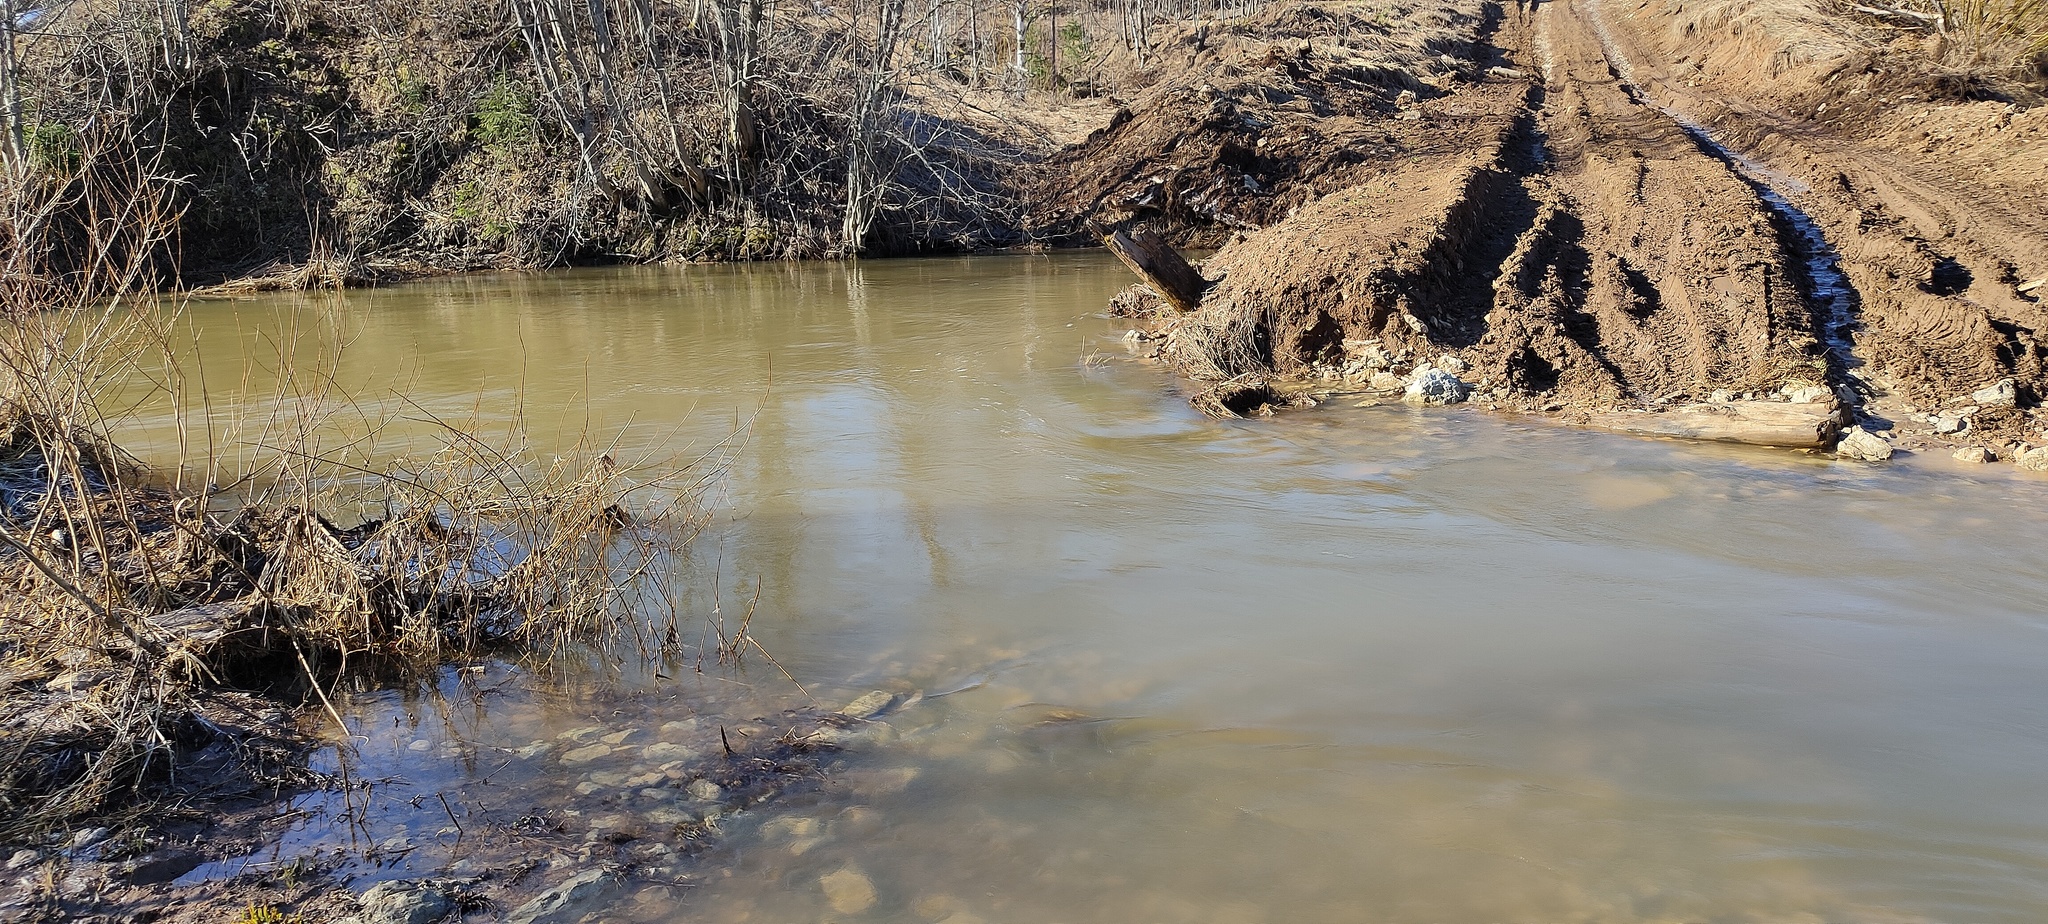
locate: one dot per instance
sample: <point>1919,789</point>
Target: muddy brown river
<point>1348,664</point>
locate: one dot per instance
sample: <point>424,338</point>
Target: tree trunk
<point>1161,266</point>
<point>1758,423</point>
<point>1017,72</point>
<point>10,94</point>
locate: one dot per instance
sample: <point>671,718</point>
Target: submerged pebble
<point>848,891</point>
<point>667,751</point>
<point>869,705</point>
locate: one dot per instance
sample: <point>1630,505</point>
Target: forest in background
<point>337,141</point>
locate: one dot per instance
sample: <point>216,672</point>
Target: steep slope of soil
<point>1251,119</point>
<point>1929,181</point>
<point>1572,247</point>
<point>1582,242</point>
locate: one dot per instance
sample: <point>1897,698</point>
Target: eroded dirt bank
<point>1533,218</point>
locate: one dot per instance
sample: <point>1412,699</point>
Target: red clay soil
<point>1932,182</point>
<point>1547,219</point>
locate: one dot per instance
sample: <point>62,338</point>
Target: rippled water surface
<point>1349,664</point>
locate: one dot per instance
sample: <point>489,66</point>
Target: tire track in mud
<point>1935,265</point>
<point>1834,301</point>
<point>1592,254</point>
<point>1566,230</point>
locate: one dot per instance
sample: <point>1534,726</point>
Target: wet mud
<point>1567,230</point>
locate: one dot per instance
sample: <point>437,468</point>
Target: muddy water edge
<point>1133,664</point>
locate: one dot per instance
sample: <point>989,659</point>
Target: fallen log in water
<point>1161,266</point>
<point>1758,423</point>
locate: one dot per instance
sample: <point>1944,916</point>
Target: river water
<point>1347,664</point>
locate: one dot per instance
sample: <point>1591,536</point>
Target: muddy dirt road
<point>1604,234</point>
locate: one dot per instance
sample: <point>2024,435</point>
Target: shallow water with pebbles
<point>1387,663</point>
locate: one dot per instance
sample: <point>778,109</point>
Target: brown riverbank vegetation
<point>161,632</point>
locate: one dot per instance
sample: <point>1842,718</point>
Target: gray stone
<point>664,751</point>
<point>860,733</point>
<point>22,859</point>
<point>566,902</point>
<point>586,754</point>
<point>2002,393</point>
<point>1367,356</point>
<point>1812,394</point>
<point>848,891</point>
<point>618,738</point>
<point>1435,387</point>
<point>404,902</point>
<point>1860,445</point>
<point>1385,381</point>
<point>869,706</point>
<point>706,791</point>
<point>1975,454</point>
<point>669,816</point>
<point>1452,365</point>
<point>1945,425</point>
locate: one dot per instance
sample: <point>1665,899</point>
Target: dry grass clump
<point>157,640</point>
<point>1995,30</point>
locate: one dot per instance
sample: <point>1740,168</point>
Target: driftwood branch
<point>1928,18</point>
<point>1758,423</point>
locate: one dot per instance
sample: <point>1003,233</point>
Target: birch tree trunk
<point>10,94</point>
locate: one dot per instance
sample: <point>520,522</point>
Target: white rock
<point>1435,387</point>
<point>1947,425</point>
<point>1811,394</point>
<point>2034,460</point>
<point>665,751</point>
<point>1860,445</point>
<point>566,902</point>
<point>2002,393</point>
<point>706,791</point>
<point>1452,364</point>
<point>586,754</point>
<point>1385,381</point>
<point>848,891</point>
<point>1975,454</point>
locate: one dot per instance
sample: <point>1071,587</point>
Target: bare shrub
<point>150,626</point>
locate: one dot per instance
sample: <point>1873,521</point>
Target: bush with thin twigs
<point>155,640</point>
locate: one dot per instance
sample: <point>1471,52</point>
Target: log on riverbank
<point>1162,267</point>
<point>1757,423</point>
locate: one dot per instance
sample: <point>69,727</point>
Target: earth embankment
<point>1562,229</point>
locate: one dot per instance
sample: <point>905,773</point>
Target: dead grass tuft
<point>157,640</point>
